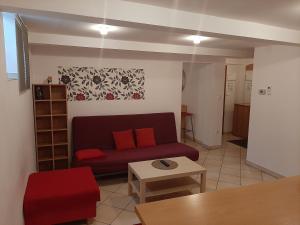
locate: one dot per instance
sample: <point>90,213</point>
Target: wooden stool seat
<point>189,115</point>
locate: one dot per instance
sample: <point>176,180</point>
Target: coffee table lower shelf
<point>162,187</point>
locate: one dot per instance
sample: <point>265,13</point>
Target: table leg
<point>203,182</point>
<point>130,180</point>
<point>142,191</point>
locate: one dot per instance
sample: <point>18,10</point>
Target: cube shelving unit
<point>51,127</point>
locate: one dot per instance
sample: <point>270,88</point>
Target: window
<point>16,50</point>
<point>10,45</point>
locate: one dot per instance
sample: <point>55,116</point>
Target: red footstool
<point>60,196</point>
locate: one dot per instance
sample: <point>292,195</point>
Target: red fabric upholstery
<point>92,153</point>
<point>60,196</point>
<point>117,161</point>
<point>96,132</point>
<point>123,140</point>
<point>145,137</point>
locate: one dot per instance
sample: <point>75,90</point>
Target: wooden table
<point>271,203</point>
<point>148,181</point>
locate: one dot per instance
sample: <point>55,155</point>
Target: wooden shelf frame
<point>51,127</point>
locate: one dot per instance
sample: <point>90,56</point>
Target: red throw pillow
<point>145,137</point>
<point>124,140</point>
<point>92,153</point>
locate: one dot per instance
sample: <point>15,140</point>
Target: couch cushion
<point>96,131</point>
<point>92,153</point>
<point>118,161</point>
<point>145,137</point>
<point>124,140</point>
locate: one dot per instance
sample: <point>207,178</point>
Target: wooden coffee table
<point>147,181</point>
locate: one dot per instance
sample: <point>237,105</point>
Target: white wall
<point>203,95</point>
<point>163,83</point>
<point>274,133</point>
<point>17,157</point>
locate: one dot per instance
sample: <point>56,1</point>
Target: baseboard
<point>208,147</point>
<point>270,172</point>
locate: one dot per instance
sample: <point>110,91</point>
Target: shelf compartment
<point>60,122</point>
<point>43,123</point>
<point>46,165</point>
<point>59,108</point>
<point>45,153</point>
<point>60,151</point>
<point>51,127</point>
<point>60,136</point>
<point>45,90</point>
<point>58,92</point>
<point>42,108</point>
<point>61,164</point>
<point>44,138</point>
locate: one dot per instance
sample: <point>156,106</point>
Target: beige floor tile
<point>132,204</point>
<point>107,214</point>
<point>212,175</point>
<point>225,185</point>
<point>111,187</point>
<point>212,162</point>
<point>104,195</point>
<point>267,177</point>
<point>231,148</point>
<point>230,160</point>
<point>215,157</point>
<point>231,171</point>
<point>230,179</point>
<point>122,189</point>
<point>236,166</point>
<point>246,167</point>
<point>126,218</point>
<point>118,200</point>
<point>216,152</point>
<point>211,184</point>
<point>213,168</point>
<point>249,181</point>
<point>202,153</point>
<point>251,174</point>
<point>229,157</point>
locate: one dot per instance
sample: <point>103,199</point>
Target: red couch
<point>96,132</point>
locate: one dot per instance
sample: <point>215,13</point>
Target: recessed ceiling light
<point>197,39</point>
<point>103,28</point>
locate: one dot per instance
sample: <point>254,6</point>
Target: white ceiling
<point>43,24</point>
<point>285,13</point>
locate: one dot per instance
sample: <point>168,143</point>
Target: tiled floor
<point>226,168</point>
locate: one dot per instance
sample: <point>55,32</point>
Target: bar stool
<point>184,117</point>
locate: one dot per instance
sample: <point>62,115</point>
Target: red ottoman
<point>60,196</point>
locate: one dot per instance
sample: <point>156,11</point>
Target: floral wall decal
<point>90,83</point>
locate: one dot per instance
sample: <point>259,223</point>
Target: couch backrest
<point>96,131</point>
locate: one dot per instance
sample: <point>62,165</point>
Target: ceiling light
<point>103,28</point>
<point>197,39</point>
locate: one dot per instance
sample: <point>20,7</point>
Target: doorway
<point>237,101</point>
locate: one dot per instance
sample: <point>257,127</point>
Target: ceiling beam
<point>119,12</point>
<point>100,43</point>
